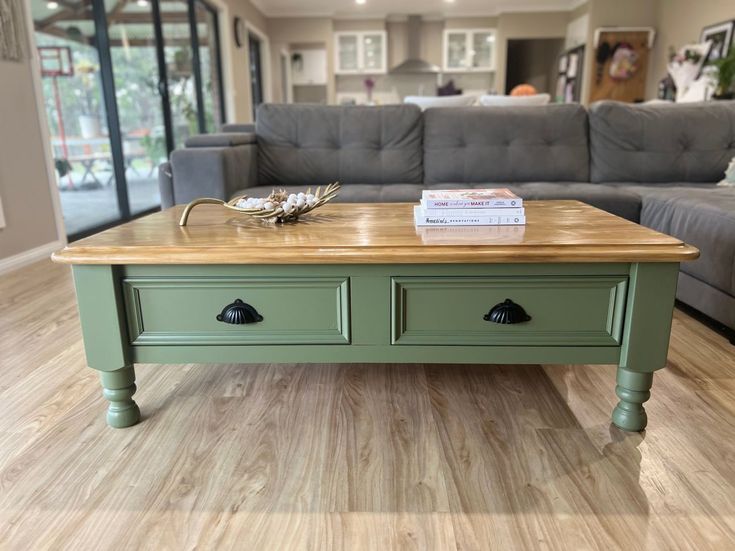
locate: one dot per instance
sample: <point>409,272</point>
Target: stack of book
<point>470,207</point>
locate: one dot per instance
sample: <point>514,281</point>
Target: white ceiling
<point>383,8</point>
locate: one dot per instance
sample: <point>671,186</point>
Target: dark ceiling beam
<point>75,5</point>
<point>61,33</point>
<point>61,15</point>
<point>119,19</point>
<point>133,18</point>
<point>71,12</point>
<point>144,42</point>
<point>119,43</point>
<point>113,14</point>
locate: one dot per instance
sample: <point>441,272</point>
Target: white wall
<point>32,228</point>
<point>393,88</point>
<point>680,22</point>
<point>235,61</point>
<point>577,31</point>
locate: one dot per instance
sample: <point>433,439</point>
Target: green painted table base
<point>378,314</point>
<point>118,388</point>
<point>633,389</point>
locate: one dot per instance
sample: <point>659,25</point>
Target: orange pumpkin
<point>523,90</point>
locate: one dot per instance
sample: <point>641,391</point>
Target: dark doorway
<point>533,61</point>
<point>256,71</point>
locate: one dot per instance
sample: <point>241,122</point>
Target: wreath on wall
<point>624,62</point>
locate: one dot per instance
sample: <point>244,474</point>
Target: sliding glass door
<point>125,82</point>
<point>76,113</point>
<point>210,65</point>
<point>191,51</point>
<point>134,57</point>
<point>181,74</point>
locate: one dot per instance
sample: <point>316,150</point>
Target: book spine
<point>475,212</point>
<point>470,221</point>
<point>467,204</point>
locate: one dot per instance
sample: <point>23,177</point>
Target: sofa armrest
<point>238,127</point>
<point>216,172</point>
<point>230,139</point>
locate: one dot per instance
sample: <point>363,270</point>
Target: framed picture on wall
<point>11,37</point>
<point>720,35</point>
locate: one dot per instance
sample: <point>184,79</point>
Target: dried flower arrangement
<point>279,206</point>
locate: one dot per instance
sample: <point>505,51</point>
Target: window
<point>124,83</point>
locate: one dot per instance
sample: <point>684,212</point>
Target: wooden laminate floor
<point>327,457</point>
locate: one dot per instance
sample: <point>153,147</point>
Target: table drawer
<point>563,310</point>
<point>192,310</point>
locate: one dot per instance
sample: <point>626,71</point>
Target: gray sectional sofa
<point>657,165</point>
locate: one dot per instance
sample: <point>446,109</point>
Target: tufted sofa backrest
<point>506,144</point>
<point>309,145</point>
<point>652,143</point>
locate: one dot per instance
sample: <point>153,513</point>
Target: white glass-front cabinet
<point>468,50</point>
<point>361,52</point>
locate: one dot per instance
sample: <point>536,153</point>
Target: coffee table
<point>359,283</point>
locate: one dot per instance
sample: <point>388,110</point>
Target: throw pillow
<point>729,179</point>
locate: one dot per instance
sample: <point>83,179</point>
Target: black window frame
<point>101,42</point>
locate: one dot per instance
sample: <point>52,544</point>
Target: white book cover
<point>469,198</point>
<point>422,220</point>
<point>497,211</point>
<point>470,235</point>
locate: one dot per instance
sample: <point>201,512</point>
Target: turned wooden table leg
<point>633,389</point>
<point>102,316</point>
<point>651,292</point>
<point>118,388</point>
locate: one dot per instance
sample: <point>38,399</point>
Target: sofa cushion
<point>661,142</point>
<point>429,102</point>
<point>228,139</point>
<point>702,216</point>
<point>372,193</point>
<point>618,201</point>
<point>710,301</point>
<point>356,193</point>
<point>315,145</point>
<point>506,144</point>
<point>501,100</point>
<point>239,127</point>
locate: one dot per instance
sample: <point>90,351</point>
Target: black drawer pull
<point>507,312</point>
<point>238,313</point>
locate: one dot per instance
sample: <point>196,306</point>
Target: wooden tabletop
<point>556,231</point>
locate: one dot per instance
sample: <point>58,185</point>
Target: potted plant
<point>182,65</point>
<point>725,76</point>
<point>89,121</point>
<point>154,147</point>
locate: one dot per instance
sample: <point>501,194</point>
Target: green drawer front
<point>564,310</point>
<point>183,310</point>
